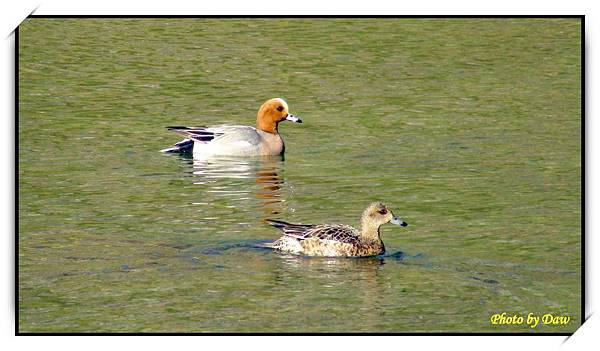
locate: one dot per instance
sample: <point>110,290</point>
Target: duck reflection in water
<point>241,183</point>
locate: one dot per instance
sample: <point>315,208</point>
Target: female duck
<point>337,239</point>
<point>236,140</point>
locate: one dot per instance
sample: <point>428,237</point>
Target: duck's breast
<point>271,144</point>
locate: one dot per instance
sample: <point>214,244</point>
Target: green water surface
<point>469,129</point>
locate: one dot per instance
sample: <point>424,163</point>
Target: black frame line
<point>304,16</point>
<point>16,175</point>
<point>510,333</point>
<point>582,156</point>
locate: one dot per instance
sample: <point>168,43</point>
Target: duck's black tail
<point>279,224</point>
<point>184,146</point>
<point>192,134</point>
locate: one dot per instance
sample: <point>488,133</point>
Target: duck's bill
<point>291,117</point>
<point>398,221</point>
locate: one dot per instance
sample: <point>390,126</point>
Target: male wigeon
<point>337,239</point>
<point>235,140</point>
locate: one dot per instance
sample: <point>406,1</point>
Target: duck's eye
<point>382,211</point>
<point>280,108</point>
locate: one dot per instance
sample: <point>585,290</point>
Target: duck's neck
<point>370,230</point>
<point>370,237</point>
<point>267,126</point>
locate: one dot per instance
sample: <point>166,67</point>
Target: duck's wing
<point>239,136</point>
<point>201,134</point>
<point>226,135</point>
<point>335,232</point>
<point>298,231</point>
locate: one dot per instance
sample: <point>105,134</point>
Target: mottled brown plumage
<point>337,239</point>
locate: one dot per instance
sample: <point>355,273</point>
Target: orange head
<point>271,113</point>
